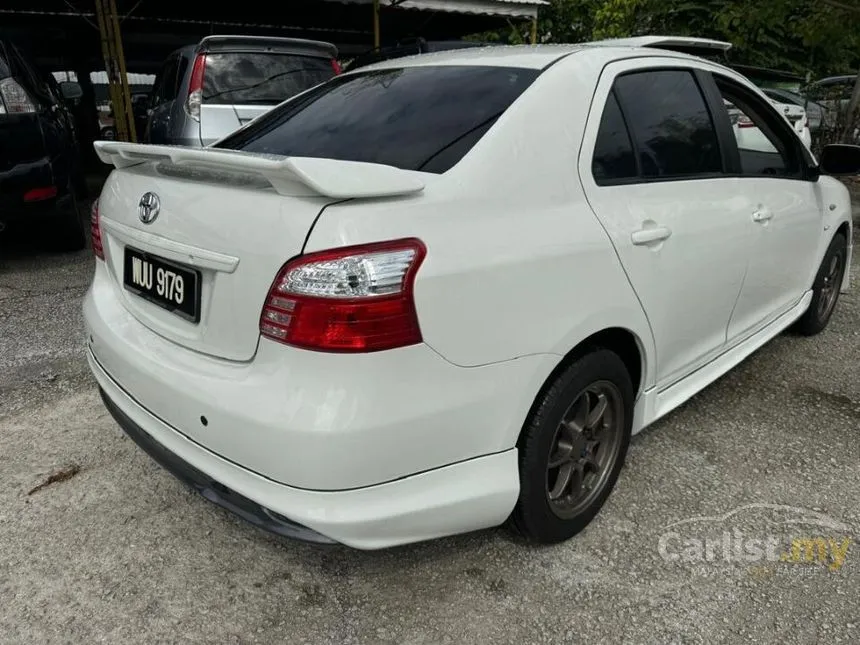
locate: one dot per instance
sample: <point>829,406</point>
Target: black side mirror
<point>71,91</point>
<point>840,159</point>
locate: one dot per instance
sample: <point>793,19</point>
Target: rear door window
<point>415,118</point>
<point>614,158</point>
<point>166,86</point>
<point>261,79</point>
<point>670,123</point>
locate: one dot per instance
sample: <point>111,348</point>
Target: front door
<point>784,209</point>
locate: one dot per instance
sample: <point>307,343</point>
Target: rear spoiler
<point>683,44</point>
<point>328,177</point>
<point>295,46</point>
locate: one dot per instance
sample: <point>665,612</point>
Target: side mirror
<point>840,159</point>
<point>70,90</point>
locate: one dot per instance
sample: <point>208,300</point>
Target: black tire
<point>536,516</point>
<point>825,289</point>
<point>64,230</point>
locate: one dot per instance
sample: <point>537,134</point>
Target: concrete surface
<point>122,553</point>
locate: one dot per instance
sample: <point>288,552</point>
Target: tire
<point>65,228</point>
<point>572,397</point>
<point>825,289</point>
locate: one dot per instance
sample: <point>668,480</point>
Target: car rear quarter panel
<point>517,264</point>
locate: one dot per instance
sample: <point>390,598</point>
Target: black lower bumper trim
<point>212,490</point>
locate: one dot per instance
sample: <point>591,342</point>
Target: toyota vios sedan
<point>440,293</point>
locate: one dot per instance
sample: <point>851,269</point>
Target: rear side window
<point>415,118</point>
<point>261,79</point>
<point>613,153</point>
<point>670,123</point>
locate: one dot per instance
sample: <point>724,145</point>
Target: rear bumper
<point>16,181</point>
<point>315,420</point>
<point>478,493</point>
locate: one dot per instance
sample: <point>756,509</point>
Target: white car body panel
<point>526,258</point>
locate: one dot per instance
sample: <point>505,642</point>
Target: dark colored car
<point>206,91</point>
<point>40,169</point>
<point>409,48</point>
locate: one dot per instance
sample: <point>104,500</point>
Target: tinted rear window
<point>416,118</point>
<point>261,79</point>
<point>669,120</point>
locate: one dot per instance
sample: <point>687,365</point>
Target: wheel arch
<point>624,342</point>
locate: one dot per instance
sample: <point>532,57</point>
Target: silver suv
<point>206,91</point>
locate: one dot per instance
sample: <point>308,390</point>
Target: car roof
<point>541,56</point>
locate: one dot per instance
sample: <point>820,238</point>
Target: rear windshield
<point>261,79</point>
<point>415,118</point>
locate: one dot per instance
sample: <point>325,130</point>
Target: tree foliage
<point>808,37</point>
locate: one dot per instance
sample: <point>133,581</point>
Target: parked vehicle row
<point>40,168</point>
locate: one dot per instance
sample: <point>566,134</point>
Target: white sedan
<point>441,293</point>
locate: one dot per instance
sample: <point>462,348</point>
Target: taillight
<point>336,66</point>
<point>352,299</point>
<point>96,230</point>
<point>14,98</point>
<point>745,122</point>
<point>195,87</point>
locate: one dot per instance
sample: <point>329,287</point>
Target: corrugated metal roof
<point>511,8</point>
<point>100,78</point>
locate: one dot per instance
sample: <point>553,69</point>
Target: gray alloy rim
<point>584,449</point>
<point>830,287</point>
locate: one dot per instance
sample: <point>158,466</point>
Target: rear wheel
<point>573,447</point>
<point>825,289</point>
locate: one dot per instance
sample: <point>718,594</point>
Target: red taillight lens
<point>195,87</point>
<point>96,230</point>
<point>354,299</point>
<point>336,66</point>
<point>39,194</point>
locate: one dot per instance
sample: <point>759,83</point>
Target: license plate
<point>164,283</point>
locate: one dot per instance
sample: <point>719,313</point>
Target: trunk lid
<point>235,218</point>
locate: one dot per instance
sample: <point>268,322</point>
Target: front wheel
<point>826,288</point>
<point>573,447</point>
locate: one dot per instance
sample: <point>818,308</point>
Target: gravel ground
<point>121,552</point>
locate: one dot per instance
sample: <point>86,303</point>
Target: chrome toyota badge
<point>148,207</point>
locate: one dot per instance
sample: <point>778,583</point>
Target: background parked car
<point>40,173</point>
<point>206,91</point>
<point>814,112</point>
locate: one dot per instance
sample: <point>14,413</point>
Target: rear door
<point>239,86</point>
<point>653,172</point>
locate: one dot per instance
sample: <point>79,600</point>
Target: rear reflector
<point>40,194</point>
<point>354,299</point>
<point>95,228</point>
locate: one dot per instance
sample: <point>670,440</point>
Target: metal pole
<point>123,76</point>
<point>376,24</point>
<point>107,55</point>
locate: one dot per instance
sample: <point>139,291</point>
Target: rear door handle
<point>762,214</point>
<point>650,235</point>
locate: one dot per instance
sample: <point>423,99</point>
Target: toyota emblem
<point>148,207</point>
